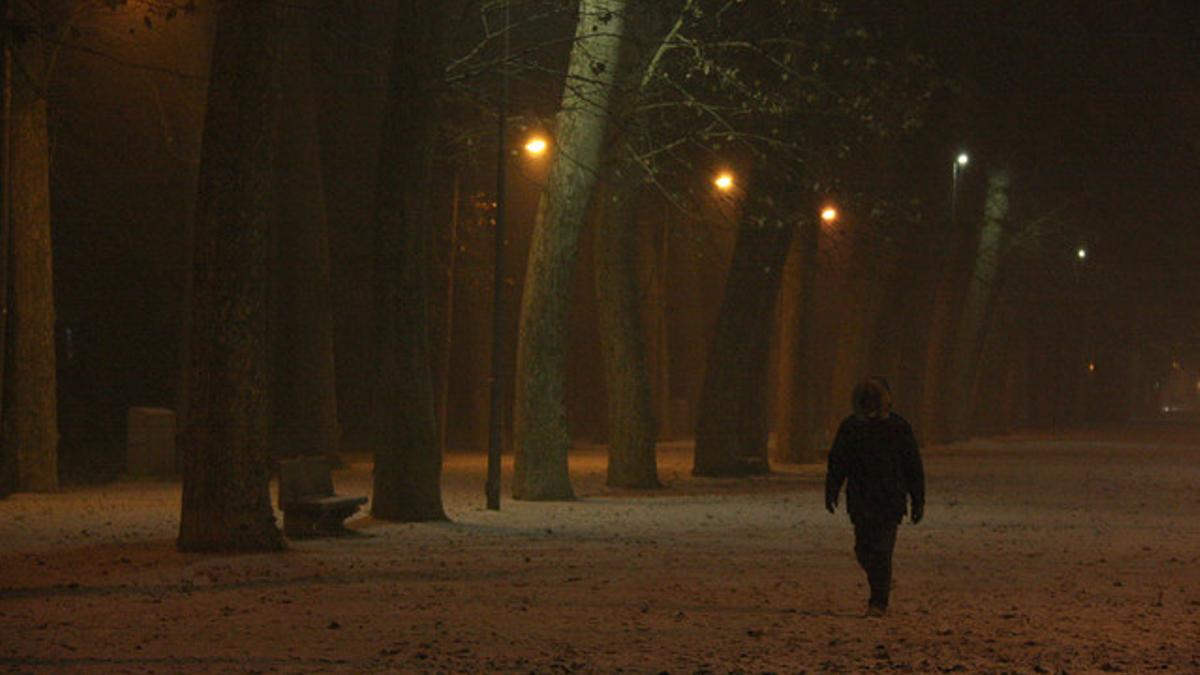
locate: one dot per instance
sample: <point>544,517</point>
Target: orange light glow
<point>724,181</point>
<point>829,214</point>
<point>536,146</point>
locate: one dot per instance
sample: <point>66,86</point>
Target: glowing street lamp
<point>829,214</point>
<point>960,163</point>
<point>1081,253</point>
<point>536,146</point>
<point>724,181</point>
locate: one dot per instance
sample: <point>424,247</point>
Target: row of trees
<point>804,101</point>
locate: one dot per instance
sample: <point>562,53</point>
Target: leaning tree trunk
<point>408,454</point>
<point>303,419</point>
<point>226,469</point>
<point>631,425</point>
<point>977,308</point>
<point>732,420</point>
<point>795,444</point>
<point>30,438</point>
<point>541,438</point>
<point>863,296</point>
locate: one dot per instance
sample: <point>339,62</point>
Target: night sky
<point>1097,105</point>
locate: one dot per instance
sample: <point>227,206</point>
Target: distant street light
<point>960,163</point>
<point>829,214</point>
<point>1081,253</point>
<point>724,181</point>
<point>536,146</point>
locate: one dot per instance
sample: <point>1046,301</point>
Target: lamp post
<point>960,163</point>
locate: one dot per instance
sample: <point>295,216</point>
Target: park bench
<point>310,508</point>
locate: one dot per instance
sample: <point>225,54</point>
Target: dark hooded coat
<point>878,459</point>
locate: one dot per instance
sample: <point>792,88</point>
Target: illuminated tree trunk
<point>541,438</point>
<point>631,426</point>
<point>226,468</point>
<point>797,351</point>
<point>862,298</point>
<point>732,421</point>
<point>977,308</point>
<point>303,418</point>
<point>30,438</point>
<point>408,457</point>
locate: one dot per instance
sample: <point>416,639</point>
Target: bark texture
<point>541,438</point>
<point>631,425</point>
<point>408,458</point>
<point>30,437</point>
<point>732,420</point>
<point>226,469</point>
<point>303,417</point>
<point>977,307</point>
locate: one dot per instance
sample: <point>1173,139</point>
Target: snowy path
<point>1075,553</point>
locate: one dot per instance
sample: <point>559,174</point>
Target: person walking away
<point>875,454</point>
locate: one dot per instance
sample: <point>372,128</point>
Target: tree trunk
<point>631,425</point>
<point>303,419</point>
<point>408,457</point>
<point>862,299</point>
<point>30,403</point>
<point>732,422</point>
<point>351,51</point>
<point>226,469</point>
<point>977,308</point>
<point>8,462</point>
<point>951,257</point>
<point>795,441</point>
<point>540,467</point>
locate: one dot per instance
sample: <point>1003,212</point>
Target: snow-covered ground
<point>1039,553</point>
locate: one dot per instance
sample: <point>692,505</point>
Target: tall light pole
<point>960,163</point>
<point>495,413</point>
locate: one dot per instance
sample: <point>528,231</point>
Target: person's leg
<point>873,545</point>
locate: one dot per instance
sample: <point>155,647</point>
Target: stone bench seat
<point>310,507</point>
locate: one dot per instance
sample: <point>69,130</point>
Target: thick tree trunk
<point>30,436</point>
<point>351,48</point>
<point>226,469</point>
<point>631,425</point>
<point>951,259</point>
<point>408,457</point>
<point>303,406</point>
<point>977,307</point>
<point>862,298</point>
<point>732,422</point>
<point>795,444</point>
<point>541,438</point>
